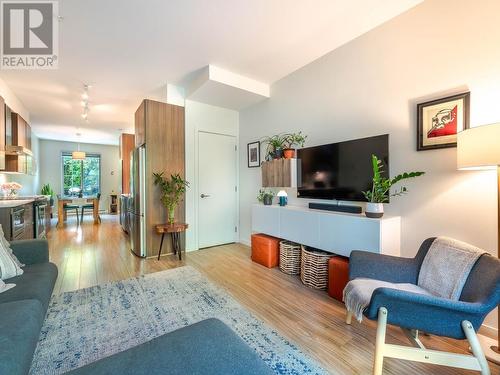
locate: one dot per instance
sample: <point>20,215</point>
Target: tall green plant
<point>381,187</point>
<point>47,190</point>
<point>172,192</point>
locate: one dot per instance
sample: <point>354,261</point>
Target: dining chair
<point>90,206</point>
<point>70,207</point>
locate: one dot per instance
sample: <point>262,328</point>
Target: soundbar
<point>335,207</point>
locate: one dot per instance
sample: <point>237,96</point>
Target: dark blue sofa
<point>208,347</point>
<point>23,308</point>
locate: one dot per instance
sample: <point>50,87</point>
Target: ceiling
<point>129,49</point>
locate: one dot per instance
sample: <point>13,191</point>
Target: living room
<point>251,221</point>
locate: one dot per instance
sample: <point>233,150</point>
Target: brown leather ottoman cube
<point>265,250</point>
<point>338,276</point>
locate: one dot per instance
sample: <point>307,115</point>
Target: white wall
<point>371,86</point>
<point>50,166</point>
<point>208,118</point>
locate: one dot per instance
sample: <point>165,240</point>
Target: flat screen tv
<point>342,170</point>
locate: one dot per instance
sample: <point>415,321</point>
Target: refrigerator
<point>137,202</point>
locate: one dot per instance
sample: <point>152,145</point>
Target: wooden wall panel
<point>127,144</point>
<point>140,125</point>
<point>277,173</point>
<point>165,152</point>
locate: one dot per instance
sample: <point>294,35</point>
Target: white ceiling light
<point>78,155</point>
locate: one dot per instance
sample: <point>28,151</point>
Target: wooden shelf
<point>279,173</point>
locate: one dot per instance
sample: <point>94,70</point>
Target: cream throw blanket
<point>446,267</point>
<point>358,293</point>
<point>443,273</point>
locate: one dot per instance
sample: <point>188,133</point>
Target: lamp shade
<point>282,193</point>
<point>78,155</point>
<point>479,147</point>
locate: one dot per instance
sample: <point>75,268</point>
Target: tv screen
<point>340,171</point>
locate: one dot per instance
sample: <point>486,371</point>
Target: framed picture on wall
<point>439,121</point>
<point>253,153</point>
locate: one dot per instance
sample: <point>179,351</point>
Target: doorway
<point>217,189</point>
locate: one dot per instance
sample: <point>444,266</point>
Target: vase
<point>278,153</point>
<point>171,215</point>
<point>374,210</point>
<point>289,153</point>
<point>268,200</point>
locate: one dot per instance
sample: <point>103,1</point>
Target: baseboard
<point>245,242</point>
<point>488,331</point>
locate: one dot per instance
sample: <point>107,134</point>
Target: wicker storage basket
<point>290,257</point>
<point>314,268</point>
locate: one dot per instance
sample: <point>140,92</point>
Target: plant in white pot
<point>381,188</point>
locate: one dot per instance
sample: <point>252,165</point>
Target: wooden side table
<point>175,230</point>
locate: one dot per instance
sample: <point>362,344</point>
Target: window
<point>81,175</point>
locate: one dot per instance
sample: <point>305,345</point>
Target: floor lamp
<point>479,148</point>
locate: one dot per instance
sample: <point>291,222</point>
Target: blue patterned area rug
<point>88,324</point>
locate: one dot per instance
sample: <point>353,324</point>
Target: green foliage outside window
<point>81,175</point>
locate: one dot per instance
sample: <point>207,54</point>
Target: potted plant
<point>275,145</point>
<point>48,192</point>
<point>293,140</point>
<point>380,192</point>
<point>266,197</point>
<point>172,192</point>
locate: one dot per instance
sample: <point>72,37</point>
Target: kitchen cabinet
<point>19,126</point>
<point>28,136</point>
<point>18,158</point>
<point>127,144</point>
<point>15,163</point>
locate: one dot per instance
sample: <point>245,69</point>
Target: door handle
<point>204,196</point>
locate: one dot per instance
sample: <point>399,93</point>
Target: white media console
<point>335,232</point>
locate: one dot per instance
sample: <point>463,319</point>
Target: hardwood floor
<point>93,254</point>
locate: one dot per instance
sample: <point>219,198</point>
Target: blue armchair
<point>434,315</point>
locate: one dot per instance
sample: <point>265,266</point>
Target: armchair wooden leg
<point>348,318</point>
<point>378,362</point>
<point>476,347</point>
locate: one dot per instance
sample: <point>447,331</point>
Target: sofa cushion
<point>37,282</point>
<point>20,325</point>
<point>208,347</point>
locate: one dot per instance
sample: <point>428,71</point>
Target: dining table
<point>61,217</point>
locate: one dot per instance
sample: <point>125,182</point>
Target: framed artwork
<point>253,153</point>
<point>439,121</point>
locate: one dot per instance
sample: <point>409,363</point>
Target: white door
<point>217,195</point>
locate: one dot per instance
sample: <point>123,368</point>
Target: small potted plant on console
<point>380,192</point>
<point>292,141</point>
<point>266,197</point>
